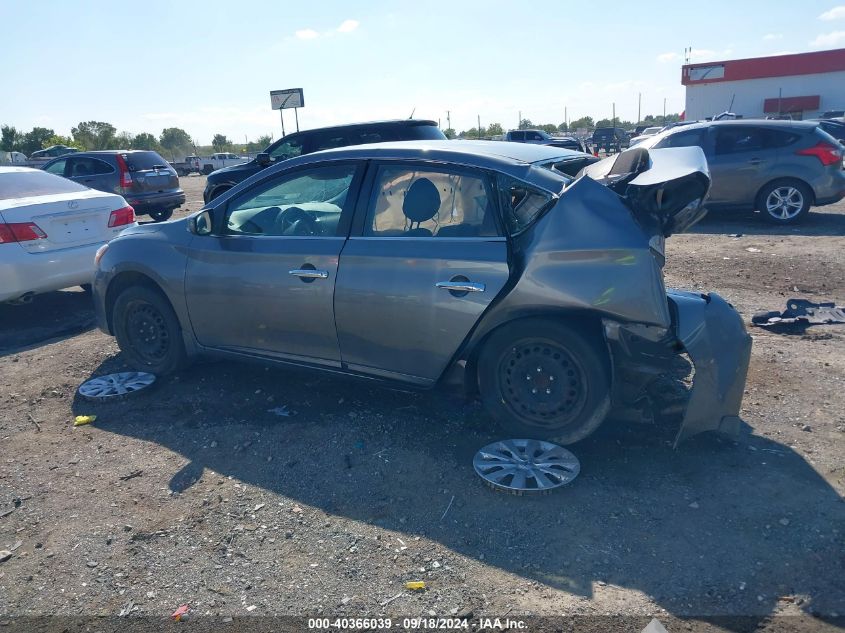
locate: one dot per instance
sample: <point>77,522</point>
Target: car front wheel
<point>785,201</point>
<point>541,379</point>
<point>148,331</point>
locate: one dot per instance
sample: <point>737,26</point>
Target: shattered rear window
<point>521,203</point>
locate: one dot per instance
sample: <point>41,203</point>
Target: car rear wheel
<point>148,331</point>
<point>160,215</point>
<point>541,379</point>
<point>784,201</point>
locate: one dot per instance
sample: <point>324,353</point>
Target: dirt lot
<point>196,494</point>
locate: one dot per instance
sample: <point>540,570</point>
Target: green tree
<point>563,127</point>
<point>526,124</point>
<point>260,144</point>
<point>58,139</point>
<point>450,132</point>
<point>495,129</point>
<point>93,135</point>
<point>604,123</point>
<point>175,140</point>
<point>583,122</point>
<point>35,139</point>
<point>10,139</point>
<point>548,127</point>
<point>123,140</point>
<point>220,143</point>
<point>145,140</point>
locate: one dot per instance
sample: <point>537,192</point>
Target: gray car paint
<point>586,255</point>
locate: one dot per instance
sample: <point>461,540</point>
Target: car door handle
<point>309,273</point>
<point>461,286</point>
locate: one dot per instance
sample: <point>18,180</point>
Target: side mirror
<point>201,223</point>
<point>263,159</point>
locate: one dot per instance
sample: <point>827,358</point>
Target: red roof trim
<point>777,66</point>
<point>791,104</point>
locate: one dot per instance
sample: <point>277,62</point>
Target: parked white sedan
<point>50,229</point>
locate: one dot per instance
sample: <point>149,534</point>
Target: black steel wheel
<point>160,215</point>
<point>147,331</point>
<point>544,380</point>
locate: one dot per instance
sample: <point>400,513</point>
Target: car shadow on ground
<point>48,317</point>
<point>817,223</point>
<point>716,527</point>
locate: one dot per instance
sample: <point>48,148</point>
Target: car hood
<point>223,172</point>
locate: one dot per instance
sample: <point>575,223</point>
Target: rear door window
<point>329,140</point>
<point>517,136</point>
<point>688,138</point>
<point>533,136</point>
<point>738,139</point>
<point>85,166</point>
<point>420,202</point>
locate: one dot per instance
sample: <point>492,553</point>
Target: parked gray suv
<point>780,168</point>
<point>144,178</point>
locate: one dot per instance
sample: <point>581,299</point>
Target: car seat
<point>421,204</point>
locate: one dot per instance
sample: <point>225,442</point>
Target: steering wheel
<point>295,221</point>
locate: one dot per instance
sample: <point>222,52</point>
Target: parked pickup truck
<point>539,137</point>
<point>189,165</point>
<point>219,161</point>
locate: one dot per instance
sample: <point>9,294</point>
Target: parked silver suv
<point>780,168</point>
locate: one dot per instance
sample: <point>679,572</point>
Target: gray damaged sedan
<point>529,275</point>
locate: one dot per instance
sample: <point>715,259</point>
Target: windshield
<point>28,184</point>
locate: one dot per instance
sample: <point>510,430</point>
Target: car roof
<point>391,122</point>
<point>770,123</point>
<point>474,152</point>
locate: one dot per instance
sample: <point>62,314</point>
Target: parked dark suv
<point>308,141</point>
<point>143,178</point>
<point>780,168</point>
<point>610,139</point>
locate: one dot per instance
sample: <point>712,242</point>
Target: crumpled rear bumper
<point>714,336</point>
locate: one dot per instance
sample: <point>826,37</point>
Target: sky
<point>209,67</point>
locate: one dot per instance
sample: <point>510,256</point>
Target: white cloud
<point>348,26</point>
<point>664,58</point>
<point>836,13</point>
<point>768,37</point>
<point>829,40</point>
<point>307,34</point>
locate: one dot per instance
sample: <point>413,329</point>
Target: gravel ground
<point>195,493</point>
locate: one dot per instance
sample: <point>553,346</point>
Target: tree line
<point>587,123</point>
<point>98,135</point>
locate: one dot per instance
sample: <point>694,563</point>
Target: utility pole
<point>639,108</point>
<point>566,117</point>
<point>614,114</point>
<point>479,126</point>
<point>448,119</point>
<point>664,110</point>
<point>519,125</point>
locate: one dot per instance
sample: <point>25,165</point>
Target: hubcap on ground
<point>112,385</point>
<point>521,466</point>
<point>542,383</point>
<point>147,332</point>
<point>784,203</point>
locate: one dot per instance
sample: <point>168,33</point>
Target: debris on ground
<point>281,411</point>
<point>5,555</point>
<point>415,585</point>
<point>180,613</point>
<point>83,419</point>
<point>799,315</point>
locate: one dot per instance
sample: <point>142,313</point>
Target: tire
<point>784,201</point>
<point>148,331</point>
<point>572,373</point>
<point>160,215</point>
<point>218,192</point>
